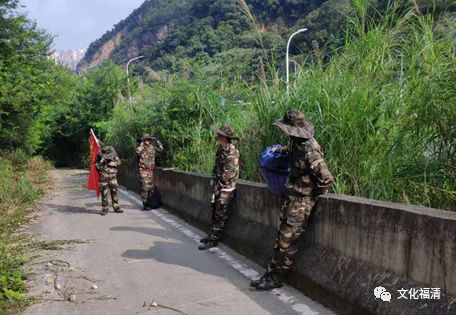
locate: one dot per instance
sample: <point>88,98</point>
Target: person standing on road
<point>106,165</point>
<point>146,152</point>
<point>224,177</point>
<point>309,177</point>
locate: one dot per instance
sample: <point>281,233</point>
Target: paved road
<point>140,263</point>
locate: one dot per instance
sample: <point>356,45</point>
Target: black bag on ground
<point>154,198</point>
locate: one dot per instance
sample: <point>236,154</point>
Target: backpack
<point>154,198</point>
<point>275,168</point>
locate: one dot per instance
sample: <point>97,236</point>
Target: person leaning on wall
<point>224,178</point>
<point>309,177</point>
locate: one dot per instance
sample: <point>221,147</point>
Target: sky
<point>77,23</point>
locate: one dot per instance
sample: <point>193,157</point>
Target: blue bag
<point>275,168</point>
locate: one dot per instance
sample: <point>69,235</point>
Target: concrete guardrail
<point>352,246</point>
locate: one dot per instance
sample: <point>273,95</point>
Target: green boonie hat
<point>226,131</point>
<point>294,124</point>
<point>146,136</point>
<point>108,153</point>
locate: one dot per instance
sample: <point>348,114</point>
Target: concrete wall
<point>352,245</point>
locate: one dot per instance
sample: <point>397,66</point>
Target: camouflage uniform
<point>146,154</point>
<point>225,175</point>
<point>106,164</point>
<point>309,177</point>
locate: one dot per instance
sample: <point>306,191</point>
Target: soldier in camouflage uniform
<point>309,177</point>
<point>106,164</point>
<point>146,152</point>
<point>224,177</point>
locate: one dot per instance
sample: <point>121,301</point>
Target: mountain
<point>69,58</point>
<point>172,34</point>
<point>167,32</point>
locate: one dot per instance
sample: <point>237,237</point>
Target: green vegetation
<point>388,133</point>
<point>171,33</point>
<point>22,182</point>
<point>91,99</point>
<point>32,88</point>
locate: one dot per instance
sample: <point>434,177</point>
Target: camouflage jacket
<point>147,154</point>
<point>226,168</point>
<point>107,168</point>
<point>309,174</point>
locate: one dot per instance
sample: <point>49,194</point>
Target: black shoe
<point>254,283</point>
<point>146,207</point>
<point>268,283</point>
<point>103,212</point>
<point>118,211</point>
<point>204,240</point>
<point>208,245</point>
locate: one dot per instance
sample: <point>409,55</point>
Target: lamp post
<point>288,56</point>
<point>128,75</point>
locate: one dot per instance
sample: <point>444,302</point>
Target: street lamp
<point>288,57</point>
<point>128,76</point>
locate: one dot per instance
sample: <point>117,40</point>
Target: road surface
<point>140,263</point>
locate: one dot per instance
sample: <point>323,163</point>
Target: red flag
<point>94,179</point>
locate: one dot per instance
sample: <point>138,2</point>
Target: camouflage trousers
<point>221,202</point>
<point>106,186</point>
<point>294,215</point>
<point>146,181</point>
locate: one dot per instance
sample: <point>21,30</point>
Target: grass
<point>23,181</point>
<point>384,108</point>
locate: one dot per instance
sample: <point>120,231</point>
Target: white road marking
<point>304,306</point>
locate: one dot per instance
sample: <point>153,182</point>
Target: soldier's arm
<point>118,161</point>
<point>283,150</point>
<point>139,149</point>
<point>214,169</point>
<point>231,167</point>
<point>319,169</point>
<point>98,165</point>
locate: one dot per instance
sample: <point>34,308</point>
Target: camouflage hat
<point>146,136</point>
<point>226,131</point>
<point>295,124</point>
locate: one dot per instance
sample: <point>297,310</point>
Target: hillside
<point>169,32</point>
<point>232,34</point>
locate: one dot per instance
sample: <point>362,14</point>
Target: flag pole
<point>95,137</point>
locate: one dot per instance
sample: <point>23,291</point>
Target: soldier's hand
<point>112,163</point>
<point>276,149</point>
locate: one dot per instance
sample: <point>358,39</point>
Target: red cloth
<point>94,178</point>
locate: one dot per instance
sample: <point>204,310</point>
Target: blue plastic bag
<point>275,168</point>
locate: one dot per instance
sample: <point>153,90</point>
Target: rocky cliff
<point>69,58</point>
